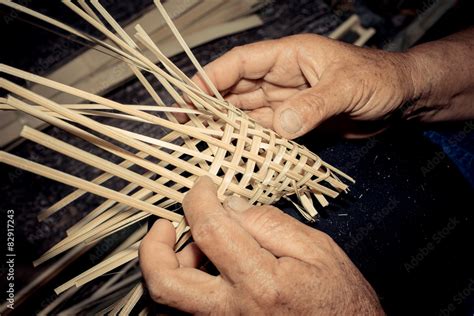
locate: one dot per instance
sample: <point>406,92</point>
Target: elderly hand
<point>294,83</point>
<point>269,263</point>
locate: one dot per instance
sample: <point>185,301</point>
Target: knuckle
<point>143,246</point>
<point>313,106</point>
<point>324,240</point>
<point>302,38</point>
<point>268,291</point>
<point>157,286</point>
<point>308,37</point>
<point>155,294</point>
<point>188,199</point>
<point>207,229</point>
<point>265,219</point>
<point>238,52</point>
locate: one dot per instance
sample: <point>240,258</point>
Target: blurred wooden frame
<point>353,25</point>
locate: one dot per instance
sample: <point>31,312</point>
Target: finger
<point>180,117</point>
<point>280,233</point>
<point>249,101</point>
<point>161,238</point>
<point>246,85</point>
<point>188,289</point>
<point>308,108</point>
<point>232,250</point>
<point>190,257</point>
<point>252,61</point>
<point>263,116</point>
<point>269,95</point>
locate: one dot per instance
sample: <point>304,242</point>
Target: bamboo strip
<point>74,310</point>
<point>66,28</point>
<point>188,52</point>
<point>119,226</point>
<point>113,23</point>
<point>107,131</point>
<point>101,268</point>
<point>141,146</point>
<point>129,141</point>
<point>133,238</point>
<point>67,179</point>
<point>105,211</point>
<point>97,162</point>
<point>91,138</point>
<point>120,220</point>
<point>185,237</point>
<point>58,301</point>
<point>49,273</point>
<point>98,306</point>
<point>81,226</point>
<point>147,108</point>
<point>144,311</point>
<point>115,277</point>
<point>136,294</point>
<point>187,130</point>
<point>88,9</point>
<point>115,309</point>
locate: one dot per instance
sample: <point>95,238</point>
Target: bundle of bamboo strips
<point>218,140</point>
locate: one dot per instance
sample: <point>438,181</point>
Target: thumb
<point>278,232</point>
<point>308,108</point>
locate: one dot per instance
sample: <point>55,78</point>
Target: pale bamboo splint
<point>220,141</point>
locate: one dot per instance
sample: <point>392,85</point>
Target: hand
<point>269,263</point>
<point>294,83</point>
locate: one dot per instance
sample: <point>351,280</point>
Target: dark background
<point>407,223</point>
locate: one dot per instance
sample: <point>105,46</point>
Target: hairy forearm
<point>443,79</point>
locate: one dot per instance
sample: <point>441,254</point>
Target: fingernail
<point>290,121</point>
<point>237,204</point>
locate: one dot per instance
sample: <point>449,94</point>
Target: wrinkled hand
<point>294,83</point>
<point>269,263</point>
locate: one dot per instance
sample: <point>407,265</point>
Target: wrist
<point>442,80</point>
<point>417,92</point>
